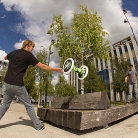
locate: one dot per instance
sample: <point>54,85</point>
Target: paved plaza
<point>16,124</point>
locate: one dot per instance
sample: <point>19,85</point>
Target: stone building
<point>126,48</point>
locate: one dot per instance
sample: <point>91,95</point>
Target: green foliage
<point>32,74</point>
<point>117,103</point>
<point>83,37</point>
<point>44,76</point>
<point>34,92</point>
<point>93,82</point>
<point>45,106</point>
<point>119,69</point>
<point>2,75</point>
<point>29,80</point>
<point>62,88</point>
<point>51,90</point>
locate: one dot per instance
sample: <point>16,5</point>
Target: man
<point>131,78</point>
<point>19,60</point>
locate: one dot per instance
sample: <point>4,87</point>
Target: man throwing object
<point>19,60</point>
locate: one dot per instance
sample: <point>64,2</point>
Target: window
<point>96,60</point>
<point>131,46</point>
<point>120,50</point>
<point>104,74</point>
<point>135,60</point>
<point>110,54</point>
<point>106,64</point>
<point>97,67</point>
<point>136,67</point>
<point>115,52</point>
<point>101,66</point>
<point>125,47</point>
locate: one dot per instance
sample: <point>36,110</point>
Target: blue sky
<point>21,19</point>
<point>131,5</point>
<point>8,36</point>
<point>11,33</point>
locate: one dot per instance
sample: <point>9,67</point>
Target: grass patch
<point>118,103</point>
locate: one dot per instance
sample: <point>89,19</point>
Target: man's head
<point>130,66</point>
<point>28,45</point>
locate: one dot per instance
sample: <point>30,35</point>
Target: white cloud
<point>38,15</point>
<point>18,45</point>
<point>2,55</point>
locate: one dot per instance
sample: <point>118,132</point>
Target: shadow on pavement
<point>74,131</point>
<point>22,122</point>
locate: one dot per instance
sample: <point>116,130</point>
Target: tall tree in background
<point>85,36</point>
<point>119,69</point>
<point>29,80</point>
<point>94,82</point>
<point>33,75</point>
<point>3,73</point>
<point>42,56</point>
<point>62,88</point>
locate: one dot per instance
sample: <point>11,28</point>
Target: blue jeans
<point>132,87</point>
<point>21,93</point>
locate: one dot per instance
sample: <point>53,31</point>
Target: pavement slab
<point>17,124</point>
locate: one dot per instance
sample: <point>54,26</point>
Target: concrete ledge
<point>86,119</point>
<point>95,100</point>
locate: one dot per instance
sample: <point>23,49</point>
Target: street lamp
<point>49,53</point>
<point>127,21</point>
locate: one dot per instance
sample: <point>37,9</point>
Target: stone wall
<point>86,119</point>
<point>96,100</point>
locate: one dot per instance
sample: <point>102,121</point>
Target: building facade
<point>126,48</point>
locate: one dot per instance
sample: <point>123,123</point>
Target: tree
<point>85,36</point>
<point>2,75</point>
<point>44,76</point>
<point>62,88</point>
<point>29,81</point>
<point>3,72</point>
<point>119,69</point>
<point>94,82</point>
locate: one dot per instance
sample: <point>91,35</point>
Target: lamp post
<point>49,53</point>
<point>127,21</point>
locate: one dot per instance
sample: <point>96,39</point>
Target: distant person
<point>131,79</point>
<point>19,60</point>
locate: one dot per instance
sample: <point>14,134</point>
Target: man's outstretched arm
<point>48,68</point>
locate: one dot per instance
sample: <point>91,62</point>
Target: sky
<point>31,19</point>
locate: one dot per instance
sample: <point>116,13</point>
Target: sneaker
<point>42,127</point>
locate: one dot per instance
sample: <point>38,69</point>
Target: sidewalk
<point>16,124</point>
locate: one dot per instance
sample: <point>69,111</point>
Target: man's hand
<point>59,70</point>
